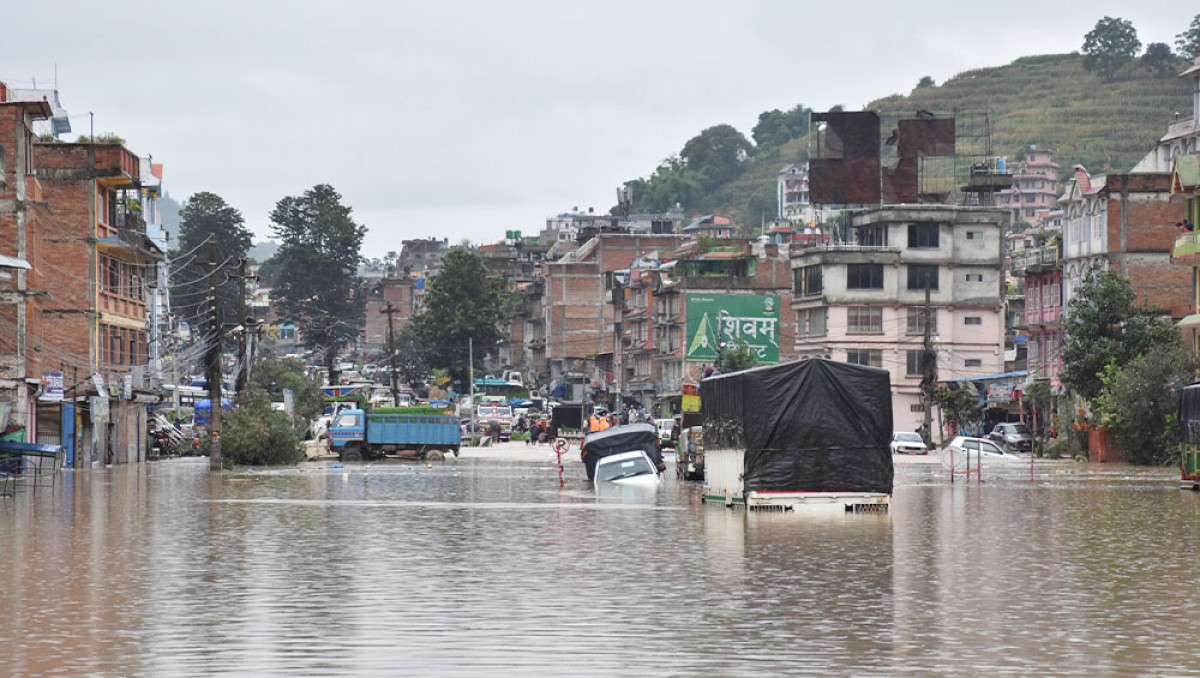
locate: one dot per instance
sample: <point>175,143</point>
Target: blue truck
<point>358,435</point>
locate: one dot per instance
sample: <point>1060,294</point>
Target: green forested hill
<point>1053,102</point>
<point>1047,100</point>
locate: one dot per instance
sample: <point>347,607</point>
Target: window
<point>973,320</point>
<point>875,236</point>
<point>811,323</point>
<point>807,281</point>
<point>864,276</point>
<point>916,407</point>
<point>973,235</point>
<point>924,234</point>
<point>918,273</point>
<point>974,277</point>
<point>865,357</point>
<point>916,321</point>
<point>864,320</point>
<point>912,366</point>
<point>974,362</point>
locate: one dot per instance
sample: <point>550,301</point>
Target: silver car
<point>1014,437</point>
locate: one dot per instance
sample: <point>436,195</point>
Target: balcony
<point>1186,249</point>
<point>117,166</point>
<point>1037,260</point>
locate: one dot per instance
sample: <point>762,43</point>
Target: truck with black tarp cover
<point>812,433</point>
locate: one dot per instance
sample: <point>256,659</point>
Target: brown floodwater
<point>478,567</point>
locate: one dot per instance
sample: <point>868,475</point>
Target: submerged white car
<point>963,448</point>
<point>627,468</point>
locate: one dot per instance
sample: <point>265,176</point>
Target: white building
<point>865,302</point>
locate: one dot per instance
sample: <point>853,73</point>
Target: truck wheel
<point>435,455</point>
<point>352,453</point>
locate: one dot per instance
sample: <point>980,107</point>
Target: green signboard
<point>733,319</point>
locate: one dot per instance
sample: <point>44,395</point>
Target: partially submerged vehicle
<point>627,468</point>
<point>808,434</point>
<point>1189,437</point>
<point>619,439</point>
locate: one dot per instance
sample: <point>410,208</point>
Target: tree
<point>317,282</point>
<point>959,407</point>
<point>1103,325</point>
<point>1158,57</point>
<point>1188,42</point>
<point>716,154</point>
<point>463,305</point>
<point>254,434</point>
<point>1109,46</point>
<point>410,359</point>
<point>1140,403</point>
<point>739,356</point>
<point>925,81</point>
<point>205,219</point>
<point>274,375</point>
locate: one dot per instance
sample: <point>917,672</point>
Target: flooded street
<point>484,566</point>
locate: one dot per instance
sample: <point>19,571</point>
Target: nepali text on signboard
<point>714,320</point>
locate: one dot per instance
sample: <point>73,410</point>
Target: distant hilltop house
<point>711,225</point>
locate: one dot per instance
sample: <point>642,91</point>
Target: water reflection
<point>478,567</point>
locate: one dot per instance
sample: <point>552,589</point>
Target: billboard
<point>732,318</point>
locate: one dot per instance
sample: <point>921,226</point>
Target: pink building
<point>1034,191</point>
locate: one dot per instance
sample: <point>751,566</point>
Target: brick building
<point>1125,222</point>
<point>96,261</point>
<point>579,312</point>
<point>21,209</point>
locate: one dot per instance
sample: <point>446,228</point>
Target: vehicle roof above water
<point>618,436</point>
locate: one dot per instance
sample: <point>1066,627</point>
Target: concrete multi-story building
<point>1034,192</point>
<point>418,256</point>
<point>1041,268</point>
<point>791,188</point>
<point>865,302</point>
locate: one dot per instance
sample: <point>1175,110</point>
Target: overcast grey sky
<point>464,119</point>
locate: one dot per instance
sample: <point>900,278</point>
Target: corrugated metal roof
<point>13,262</point>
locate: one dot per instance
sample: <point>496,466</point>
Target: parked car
<point>1012,437</point>
<point>908,442</point>
<point>965,448</point>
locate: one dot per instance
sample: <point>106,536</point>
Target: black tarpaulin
<point>814,425</point>
<point>1189,414</point>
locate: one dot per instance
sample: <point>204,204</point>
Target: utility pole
<point>389,310</point>
<point>471,378</point>
<point>928,366</point>
<point>214,364</point>
<point>243,358</point>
